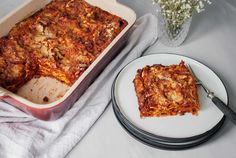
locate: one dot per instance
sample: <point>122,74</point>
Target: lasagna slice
<point>166,91</point>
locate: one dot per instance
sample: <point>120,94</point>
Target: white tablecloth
<point>211,40</point>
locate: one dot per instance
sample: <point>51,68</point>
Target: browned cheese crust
<point>60,41</point>
<point>166,91</point>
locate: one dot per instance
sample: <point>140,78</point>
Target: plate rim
<point>164,138</point>
<point>164,146</point>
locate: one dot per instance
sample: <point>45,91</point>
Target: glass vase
<point>165,35</point>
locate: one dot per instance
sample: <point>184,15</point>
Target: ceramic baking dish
<point>30,96</point>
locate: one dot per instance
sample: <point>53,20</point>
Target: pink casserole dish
<point>30,96</point>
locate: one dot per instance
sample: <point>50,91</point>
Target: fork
<point>229,113</point>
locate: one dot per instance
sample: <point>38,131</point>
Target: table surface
<point>212,41</point>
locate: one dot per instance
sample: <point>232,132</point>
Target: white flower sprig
<point>176,12</point>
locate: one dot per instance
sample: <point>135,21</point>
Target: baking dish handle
<point>2,93</point>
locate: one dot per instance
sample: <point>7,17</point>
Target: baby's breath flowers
<point>176,12</point>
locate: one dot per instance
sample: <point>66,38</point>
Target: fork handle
<point>229,113</point>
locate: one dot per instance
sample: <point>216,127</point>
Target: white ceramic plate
<point>173,126</point>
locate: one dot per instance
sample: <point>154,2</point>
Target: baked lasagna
<point>166,91</point>
<point>60,41</point>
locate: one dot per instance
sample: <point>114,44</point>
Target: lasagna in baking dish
<point>59,41</point>
<point>166,91</point>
